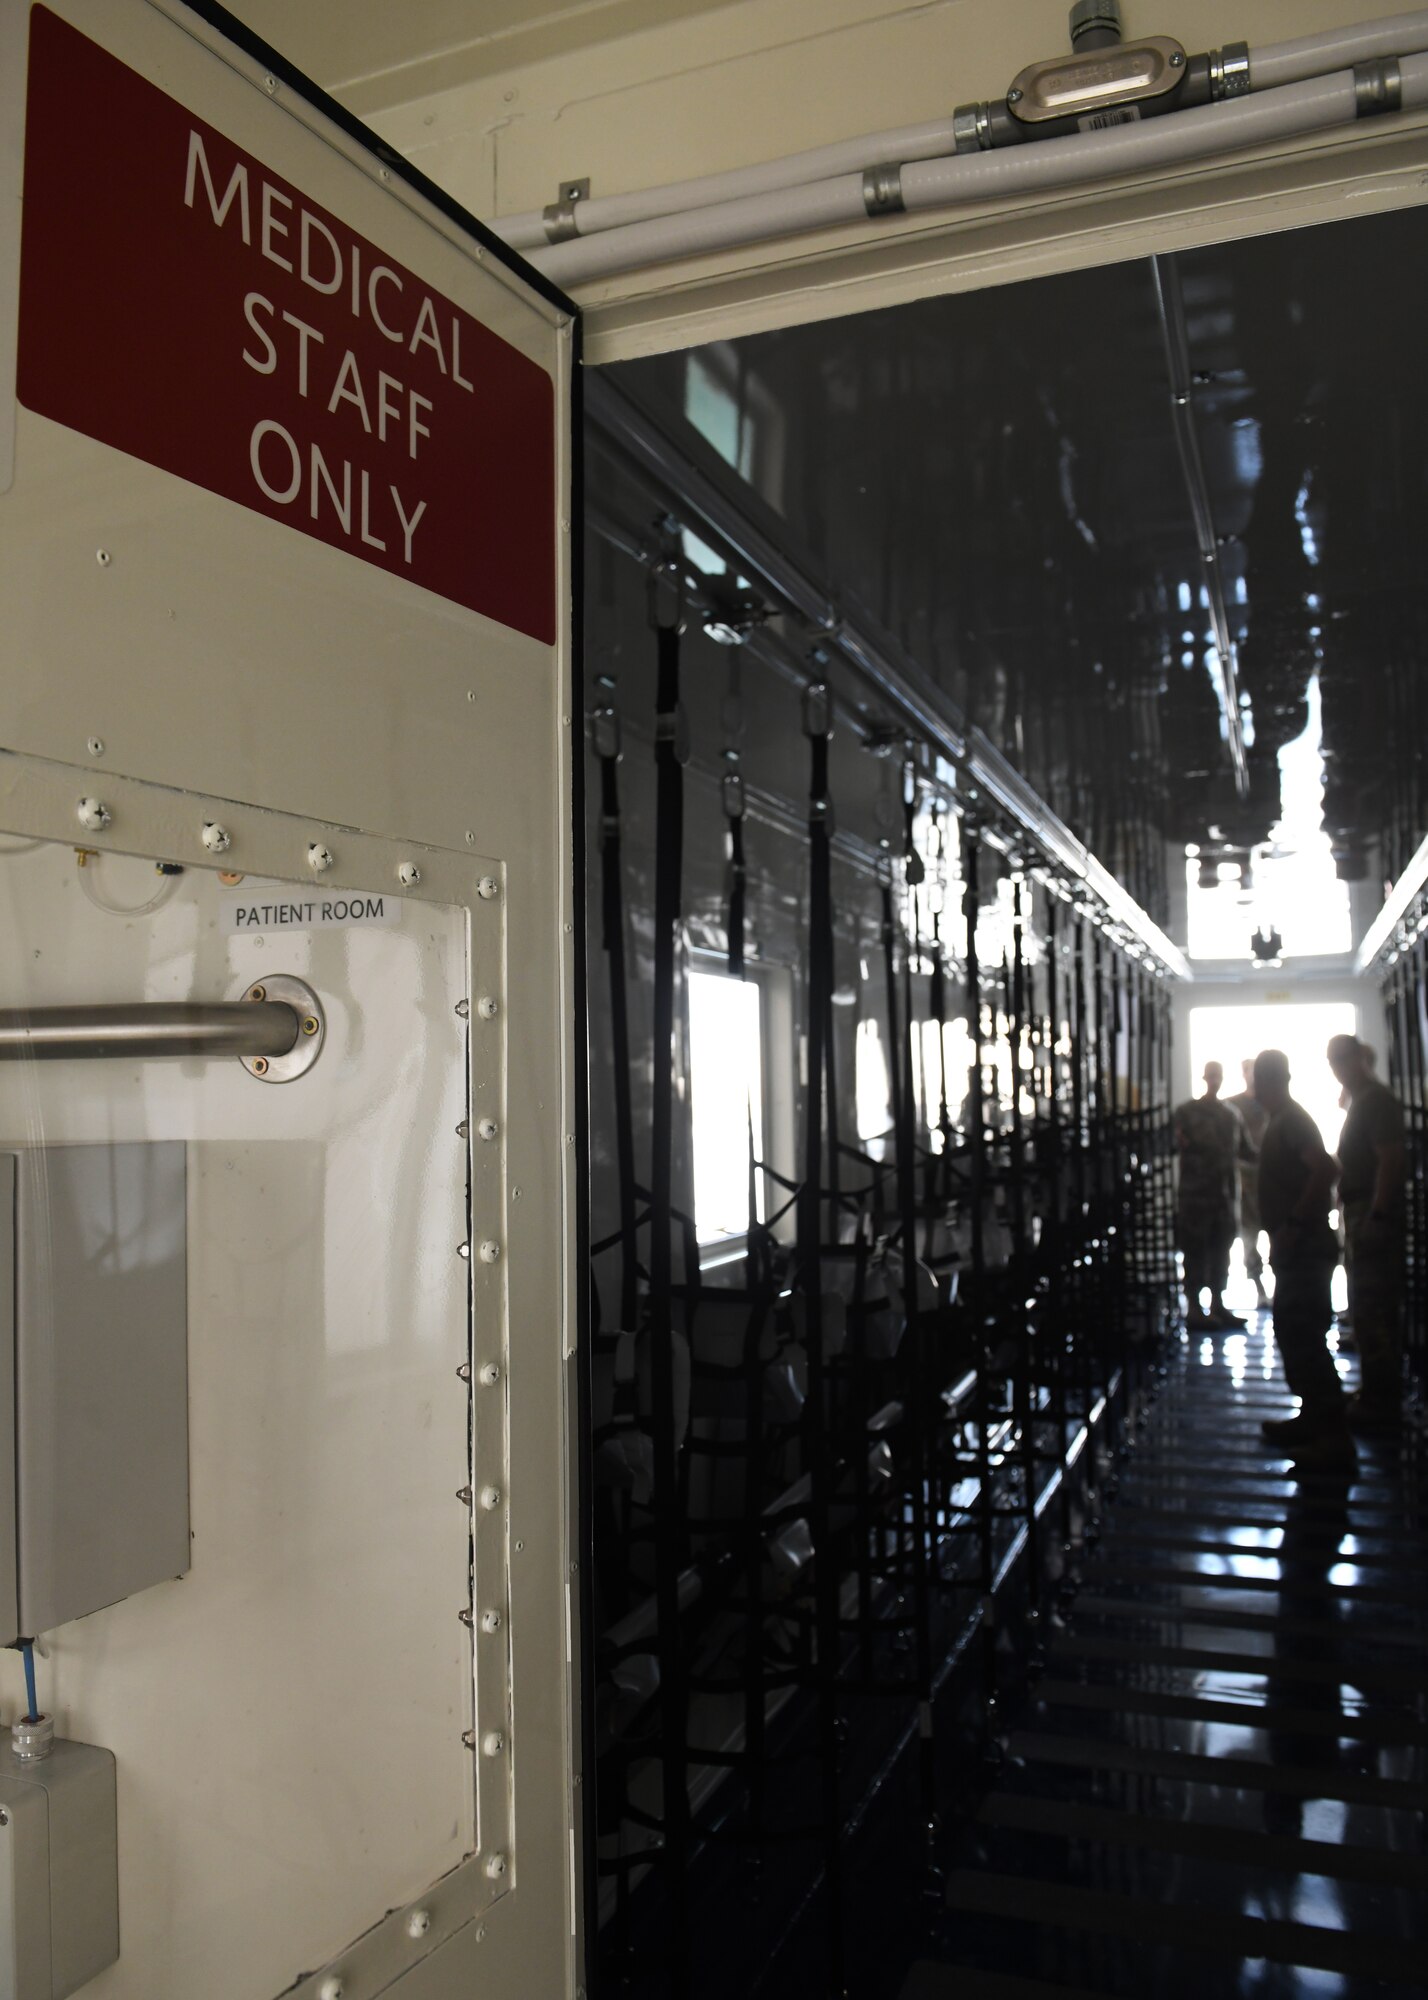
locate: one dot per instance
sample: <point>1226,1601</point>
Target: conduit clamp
<point>1378,87</point>
<point>882,189</point>
<point>558,218</point>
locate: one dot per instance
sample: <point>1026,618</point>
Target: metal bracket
<point>882,189</point>
<point>312,1028</point>
<point>1378,87</point>
<point>559,217</point>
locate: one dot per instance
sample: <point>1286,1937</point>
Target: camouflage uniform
<point>1210,1139</point>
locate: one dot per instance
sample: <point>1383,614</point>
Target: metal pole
<point>159,1028</point>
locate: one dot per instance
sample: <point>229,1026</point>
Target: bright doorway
<point>1302,1029</point>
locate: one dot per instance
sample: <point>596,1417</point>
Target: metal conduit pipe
<point>1267,68</point>
<point>1320,104</point>
<point>157,1028</point>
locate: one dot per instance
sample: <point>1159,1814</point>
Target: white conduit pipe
<point>845,156</point>
<point>1265,119</point>
<point>1278,63</point>
<point>1271,67</point>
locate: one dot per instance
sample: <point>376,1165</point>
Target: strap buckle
<point>817,709</point>
<point>672,727</point>
<point>606,732</point>
<point>665,597</point>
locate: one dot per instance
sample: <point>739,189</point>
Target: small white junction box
<point>59,1870</point>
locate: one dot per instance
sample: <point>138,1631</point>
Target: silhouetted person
<point>1208,1138</point>
<point>1254,1118</point>
<point>1371,1175</point>
<point>1296,1184</point>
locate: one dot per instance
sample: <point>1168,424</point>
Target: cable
<point>27,1648</point>
<point>87,863</point>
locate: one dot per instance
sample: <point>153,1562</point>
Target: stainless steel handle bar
<point>160,1028</point>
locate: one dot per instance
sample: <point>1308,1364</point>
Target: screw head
<point>1177,60</point>
<point>490,1498</point>
<point>490,1621</point>
<point>103,558</point>
<point>409,874</point>
<point>496,1866</point>
<point>217,839</point>
<point>490,1374</point>
<point>319,858</point>
<point>260,1065</point>
<point>310,1024</point>
<point>487,1008</point>
<point>418,1923</point>
<point>488,888</point>
<point>488,1128</point>
<point>331,1988</point>
<point>95,746</point>
<point>492,1743</point>
<point>490,1251</point>
<point>1013,96</point>
<point>94,815</point>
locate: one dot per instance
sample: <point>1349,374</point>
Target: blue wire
<point>27,1648</point>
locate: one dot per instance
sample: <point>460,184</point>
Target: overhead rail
<point>1170,305</point>
<point>1381,937</point>
<point>1167,109</point>
<point>701,497</point>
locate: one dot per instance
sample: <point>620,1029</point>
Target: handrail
<point>153,1028</point>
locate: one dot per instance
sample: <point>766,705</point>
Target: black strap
<point>817,1410</point>
<point>733,790</point>
<point>669,1534</point>
<point>607,743</point>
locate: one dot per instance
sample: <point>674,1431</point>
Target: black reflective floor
<point>1219,1788</point>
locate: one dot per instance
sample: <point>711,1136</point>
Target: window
<point>726,1081</point>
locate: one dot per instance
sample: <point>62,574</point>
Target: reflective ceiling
<point>995,478</point>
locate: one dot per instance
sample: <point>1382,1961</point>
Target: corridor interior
<point>978,745</point>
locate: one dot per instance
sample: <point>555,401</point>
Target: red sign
<point>183,303</point>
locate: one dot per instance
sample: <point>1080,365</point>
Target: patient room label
<point>265,912</point>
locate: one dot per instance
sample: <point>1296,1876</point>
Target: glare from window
<point>726,1081</point>
<point>870,1083</point>
<point>1293,888</point>
<point>712,407</point>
